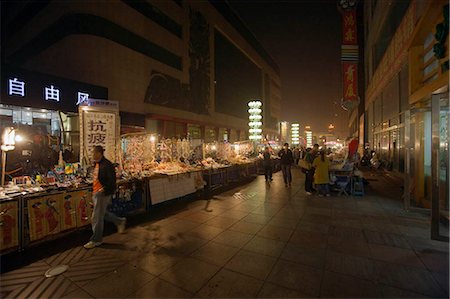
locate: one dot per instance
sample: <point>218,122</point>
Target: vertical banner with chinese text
<point>349,28</point>
<point>99,122</point>
<point>349,56</point>
<point>100,129</point>
<point>350,78</point>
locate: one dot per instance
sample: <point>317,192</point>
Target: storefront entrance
<point>427,177</point>
<point>440,111</point>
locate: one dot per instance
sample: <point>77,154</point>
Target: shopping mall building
<point>176,68</point>
<point>406,115</point>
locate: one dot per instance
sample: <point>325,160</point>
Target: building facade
<point>406,117</point>
<point>176,68</point>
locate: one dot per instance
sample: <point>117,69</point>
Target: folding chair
<point>342,182</point>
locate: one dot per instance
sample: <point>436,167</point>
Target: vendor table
<point>166,187</point>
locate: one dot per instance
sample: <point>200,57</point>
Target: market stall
<point>34,209</point>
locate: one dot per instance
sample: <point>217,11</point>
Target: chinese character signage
<point>349,72</point>
<point>99,128</point>
<point>30,89</point>
<point>349,55</point>
<point>349,27</point>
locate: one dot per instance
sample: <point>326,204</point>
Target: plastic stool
<point>357,186</point>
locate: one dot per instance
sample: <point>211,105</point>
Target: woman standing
<point>321,174</point>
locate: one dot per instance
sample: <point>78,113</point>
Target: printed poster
<point>99,128</point>
<point>83,205</point>
<point>44,216</point>
<point>9,225</point>
<point>69,214</point>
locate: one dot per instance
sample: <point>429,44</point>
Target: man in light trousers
<point>104,186</point>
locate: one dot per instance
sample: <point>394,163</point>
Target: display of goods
<point>238,159</point>
<point>173,168</point>
<point>9,224</point>
<point>129,198</point>
<point>211,163</point>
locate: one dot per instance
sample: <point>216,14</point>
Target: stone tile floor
<point>257,240</point>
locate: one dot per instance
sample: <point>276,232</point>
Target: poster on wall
<point>44,216</point>
<point>9,225</point>
<point>83,206</point>
<point>69,214</point>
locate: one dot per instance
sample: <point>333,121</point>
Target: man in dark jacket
<point>104,186</point>
<point>287,159</point>
<point>309,175</point>
<point>267,162</point>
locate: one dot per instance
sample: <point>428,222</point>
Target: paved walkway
<point>254,241</point>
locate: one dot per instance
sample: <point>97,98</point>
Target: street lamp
<point>295,134</point>
<point>255,117</point>
<point>8,144</point>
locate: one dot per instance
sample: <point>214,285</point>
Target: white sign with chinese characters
<point>82,98</point>
<point>99,128</point>
<point>52,94</point>
<point>16,88</point>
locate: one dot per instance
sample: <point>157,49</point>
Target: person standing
<point>309,175</point>
<point>267,163</point>
<point>296,154</point>
<point>321,165</point>
<point>286,161</point>
<point>104,186</point>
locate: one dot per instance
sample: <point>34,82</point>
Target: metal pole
<point>407,179</point>
<point>3,167</point>
<point>435,215</point>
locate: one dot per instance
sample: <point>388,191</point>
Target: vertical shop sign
<point>349,27</point>
<point>9,225</point>
<point>350,54</point>
<point>350,77</point>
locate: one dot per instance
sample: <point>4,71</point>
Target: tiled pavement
<point>255,241</point>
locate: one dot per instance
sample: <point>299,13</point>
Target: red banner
<point>350,76</point>
<point>349,28</point>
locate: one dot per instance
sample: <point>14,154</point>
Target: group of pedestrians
<point>316,168</point>
<point>315,164</point>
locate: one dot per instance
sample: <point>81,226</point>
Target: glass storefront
<point>440,110</point>
<point>44,133</point>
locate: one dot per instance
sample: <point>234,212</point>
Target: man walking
<point>309,178</point>
<point>104,186</point>
<point>286,162</point>
<point>267,162</point>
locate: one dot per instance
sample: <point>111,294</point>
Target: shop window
<point>223,134</point>
<point>388,30</point>
<point>210,134</point>
<point>195,131</point>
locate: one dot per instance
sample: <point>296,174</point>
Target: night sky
<point>304,38</point>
